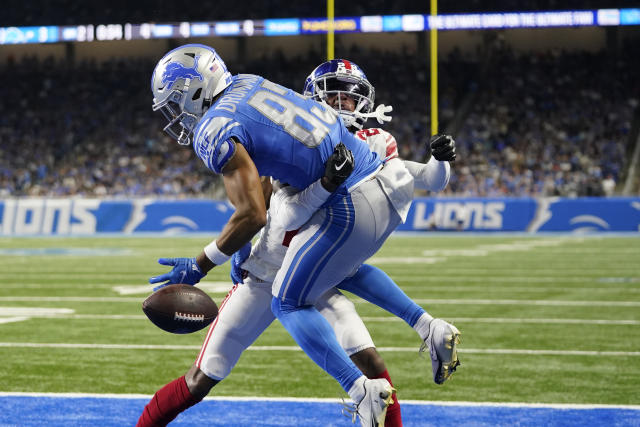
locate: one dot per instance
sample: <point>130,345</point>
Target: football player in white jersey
<point>233,331</point>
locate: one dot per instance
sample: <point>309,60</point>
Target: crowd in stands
<point>554,124</point>
<point>88,130</point>
<point>69,12</point>
<point>538,125</point>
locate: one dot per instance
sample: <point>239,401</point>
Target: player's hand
<point>185,270</point>
<point>338,167</point>
<point>443,147</point>
<point>237,273</point>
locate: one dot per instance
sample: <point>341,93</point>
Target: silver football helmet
<point>184,83</point>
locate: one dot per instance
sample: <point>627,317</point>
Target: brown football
<point>180,309</point>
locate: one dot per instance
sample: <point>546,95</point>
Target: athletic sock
<point>394,415</point>
<point>374,285</point>
<point>422,325</point>
<point>315,336</point>
<point>166,404</point>
<point>356,392</point>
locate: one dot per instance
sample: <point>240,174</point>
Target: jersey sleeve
<point>380,141</point>
<point>432,176</point>
<point>213,141</point>
<point>291,209</point>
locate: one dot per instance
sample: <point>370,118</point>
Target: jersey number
<point>365,133</point>
<point>309,127</point>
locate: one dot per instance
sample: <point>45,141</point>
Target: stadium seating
<point>537,125</point>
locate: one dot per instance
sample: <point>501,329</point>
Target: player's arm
<point>290,211</point>
<point>245,192</point>
<point>435,174</point>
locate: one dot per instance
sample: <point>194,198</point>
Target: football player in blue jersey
<point>245,126</point>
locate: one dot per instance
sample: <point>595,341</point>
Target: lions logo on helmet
<point>184,83</point>
<point>176,70</point>
<point>339,76</point>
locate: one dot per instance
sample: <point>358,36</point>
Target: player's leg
<point>438,336</point>
<point>329,247</point>
<point>243,315</point>
<point>357,343</point>
<point>242,318</point>
<point>375,286</point>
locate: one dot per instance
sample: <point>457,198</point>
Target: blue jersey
<point>288,136</point>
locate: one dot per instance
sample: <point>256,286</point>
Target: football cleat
<point>442,343</point>
<point>372,409</point>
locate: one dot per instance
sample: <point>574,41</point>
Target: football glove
<point>443,147</point>
<point>339,165</point>
<point>237,273</point>
<point>185,271</point>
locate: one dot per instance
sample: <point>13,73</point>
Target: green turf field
<point>543,319</point>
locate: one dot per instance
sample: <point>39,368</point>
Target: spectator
<point>546,127</point>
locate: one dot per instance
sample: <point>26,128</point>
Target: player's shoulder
<point>212,140</point>
<point>379,141</point>
<point>211,124</point>
<point>374,133</point>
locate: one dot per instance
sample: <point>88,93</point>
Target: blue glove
<point>237,273</point>
<point>185,270</point>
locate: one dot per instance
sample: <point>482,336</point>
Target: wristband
<point>214,254</point>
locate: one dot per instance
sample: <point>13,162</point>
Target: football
<point>180,309</point>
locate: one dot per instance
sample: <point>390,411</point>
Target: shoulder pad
<point>380,141</point>
<point>212,141</point>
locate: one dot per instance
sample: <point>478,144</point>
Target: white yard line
<point>382,319</point>
<point>72,299</point>
<point>601,270</point>
<point>427,288</point>
<point>517,320</point>
<point>525,302</point>
<point>34,311</point>
<point>521,302</point>
<point>521,279</point>
<point>418,300</point>
<point>295,348</point>
<point>329,400</point>
<point>13,319</point>
<point>405,260</point>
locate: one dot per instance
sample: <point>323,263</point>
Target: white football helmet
<point>184,83</point>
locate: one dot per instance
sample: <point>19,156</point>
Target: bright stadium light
<point>328,25</point>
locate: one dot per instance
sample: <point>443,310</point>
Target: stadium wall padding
<point>40,216</point>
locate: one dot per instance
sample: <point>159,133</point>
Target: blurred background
<point>541,104</point>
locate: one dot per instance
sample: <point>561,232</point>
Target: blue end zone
<point>101,411</point>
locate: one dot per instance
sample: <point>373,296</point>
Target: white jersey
<point>289,209</point>
<point>269,250</point>
<point>395,178</point>
<point>380,141</point>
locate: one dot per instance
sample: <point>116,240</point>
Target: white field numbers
<point>290,115</point>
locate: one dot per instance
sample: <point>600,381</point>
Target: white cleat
<point>372,409</point>
<point>442,342</point>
